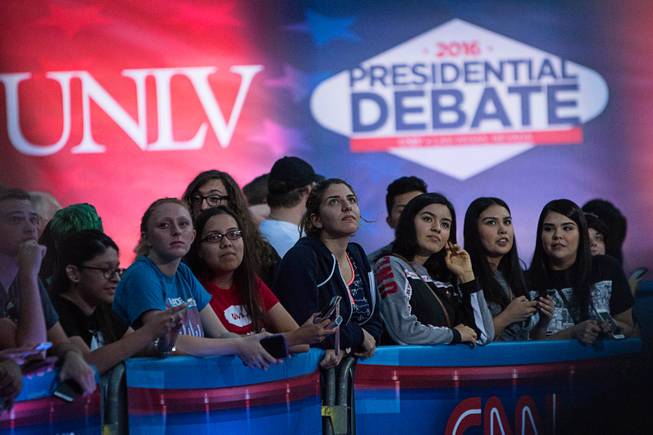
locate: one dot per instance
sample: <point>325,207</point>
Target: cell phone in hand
<point>275,345</point>
<point>328,311</point>
<point>67,391</point>
<point>335,322</point>
<point>605,316</point>
<point>639,272</point>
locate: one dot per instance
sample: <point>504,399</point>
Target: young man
<point>400,192</point>
<point>27,317</point>
<point>289,183</point>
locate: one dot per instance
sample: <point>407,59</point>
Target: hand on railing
<point>75,368</point>
<point>467,334</point>
<point>368,346</point>
<point>252,353</point>
<point>587,332</point>
<point>330,359</point>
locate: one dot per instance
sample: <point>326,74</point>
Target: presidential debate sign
<point>118,103</point>
<point>460,99</point>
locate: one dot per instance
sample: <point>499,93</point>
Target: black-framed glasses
<point>212,199</point>
<point>216,237</point>
<point>107,272</point>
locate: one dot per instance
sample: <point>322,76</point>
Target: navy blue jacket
<point>308,277</point>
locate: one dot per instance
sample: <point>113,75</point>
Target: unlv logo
<point>223,126</point>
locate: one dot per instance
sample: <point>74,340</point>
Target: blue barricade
<point>36,411</point>
<point>500,388</point>
<point>189,395</point>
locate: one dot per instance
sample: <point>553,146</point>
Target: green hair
<point>68,220</point>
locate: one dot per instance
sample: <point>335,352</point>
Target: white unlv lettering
<point>136,129</point>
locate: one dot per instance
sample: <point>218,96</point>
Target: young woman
<point>490,242</point>
<point>213,188</point>
<point>325,264</point>
<point>580,285</point>
<point>429,294</point>
<point>222,258</point>
<point>83,290</point>
<point>158,280</point>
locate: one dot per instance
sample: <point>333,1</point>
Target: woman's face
<point>339,213</point>
<point>560,238</point>
<point>170,232</point>
<point>597,242</point>
<point>91,278</point>
<point>222,247</point>
<point>210,194</point>
<point>432,228</point>
<point>496,231</point>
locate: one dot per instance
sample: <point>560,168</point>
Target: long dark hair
<point>313,203</point>
<point>264,255</point>
<point>616,226</point>
<point>509,264</point>
<point>405,243</point>
<point>539,274</point>
<point>76,249</point>
<point>244,275</point>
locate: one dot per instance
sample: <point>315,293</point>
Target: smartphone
<point>604,316</point>
<point>551,292</point>
<point>335,322</point>
<point>275,345</point>
<point>22,354</point>
<point>639,272</point>
<point>67,391</point>
<point>328,311</point>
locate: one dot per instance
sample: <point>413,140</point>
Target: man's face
<point>398,205</point>
<point>18,223</point>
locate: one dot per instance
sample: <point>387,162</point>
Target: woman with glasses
<point>222,258</point>
<point>325,264</point>
<point>216,188</point>
<point>158,279</point>
<point>84,287</point>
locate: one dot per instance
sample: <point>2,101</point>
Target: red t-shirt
<point>228,307</point>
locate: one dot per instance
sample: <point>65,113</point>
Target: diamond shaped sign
<point>460,99</point>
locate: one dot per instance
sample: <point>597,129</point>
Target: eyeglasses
<point>107,272</point>
<point>212,200</point>
<point>217,237</point>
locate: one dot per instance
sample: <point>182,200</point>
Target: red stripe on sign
<point>159,401</point>
<point>50,410</point>
<point>543,137</point>
<point>379,377</point>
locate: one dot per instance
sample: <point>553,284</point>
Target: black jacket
<point>308,277</point>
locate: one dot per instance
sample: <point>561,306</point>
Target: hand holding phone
<point>67,391</point>
<point>275,345</point>
<point>328,311</point>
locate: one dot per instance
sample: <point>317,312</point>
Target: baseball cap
<point>290,173</point>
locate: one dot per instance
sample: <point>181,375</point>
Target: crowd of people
<point>218,272</point>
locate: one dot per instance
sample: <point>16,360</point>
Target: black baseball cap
<point>289,173</point>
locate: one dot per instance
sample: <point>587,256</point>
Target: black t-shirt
<point>100,328</point>
<point>608,286</point>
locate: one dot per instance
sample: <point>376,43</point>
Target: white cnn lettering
<point>16,137</point>
<point>224,130</point>
<point>91,90</point>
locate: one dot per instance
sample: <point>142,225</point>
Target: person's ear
<point>72,272</point>
<point>316,222</point>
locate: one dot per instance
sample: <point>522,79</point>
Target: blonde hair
<point>143,247</point>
